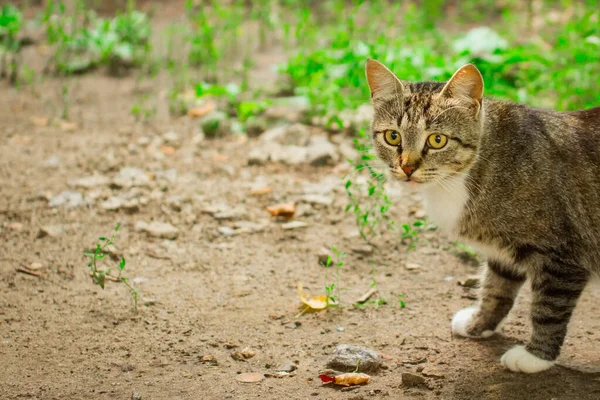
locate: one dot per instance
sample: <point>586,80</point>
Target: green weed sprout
<point>334,287</point>
<point>10,25</point>
<point>101,275</point>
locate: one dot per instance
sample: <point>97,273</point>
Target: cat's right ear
<point>382,82</point>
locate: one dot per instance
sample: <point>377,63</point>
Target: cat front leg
<point>499,288</point>
<point>556,288</point>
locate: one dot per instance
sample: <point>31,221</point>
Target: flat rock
<point>363,249</point>
<point>290,155</point>
<point>158,229</point>
<point>321,151</point>
<point>89,182</point>
<point>317,199</point>
<point>432,372</point>
<point>287,366</point>
<point>112,204</point>
<point>51,230</point>
<point>412,380</point>
<point>131,177</point>
<point>345,357</point>
<point>68,199</point>
<point>412,266</point>
<point>288,226</point>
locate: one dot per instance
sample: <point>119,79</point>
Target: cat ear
<point>382,81</point>
<point>466,85</point>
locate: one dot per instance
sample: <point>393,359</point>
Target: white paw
<point>461,321</point>
<point>518,359</point>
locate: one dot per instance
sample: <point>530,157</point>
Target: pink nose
<point>408,169</point>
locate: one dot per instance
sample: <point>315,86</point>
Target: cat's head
<point>426,131</point>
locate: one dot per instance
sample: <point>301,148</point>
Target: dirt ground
<point>209,294</point>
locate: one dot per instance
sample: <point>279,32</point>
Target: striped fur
<point>521,184</point>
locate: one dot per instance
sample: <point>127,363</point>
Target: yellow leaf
<point>315,303</point>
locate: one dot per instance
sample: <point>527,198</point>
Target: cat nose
<point>408,169</point>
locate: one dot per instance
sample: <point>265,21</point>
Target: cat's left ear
<point>466,85</point>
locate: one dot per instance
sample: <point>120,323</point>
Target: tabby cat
<point>520,184</point>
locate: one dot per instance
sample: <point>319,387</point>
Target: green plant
<point>332,289</point>
<point>84,41</point>
<point>410,234</point>
<point>369,204</point>
<point>10,25</point>
<point>101,275</point>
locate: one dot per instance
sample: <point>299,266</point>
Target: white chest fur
<point>444,203</point>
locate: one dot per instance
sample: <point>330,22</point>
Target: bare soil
<point>205,294</point>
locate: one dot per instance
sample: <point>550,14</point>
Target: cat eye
<point>392,137</point>
<point>437,141</point>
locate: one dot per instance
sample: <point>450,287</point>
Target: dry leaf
<point>201,111</point>
<point>39,121</point>
<point>250,377</point>
<point>349,379</point>
<point>315,303</point>
<point>282,210</point>
<point>261,191</point>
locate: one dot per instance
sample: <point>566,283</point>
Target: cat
<point>520,184</point>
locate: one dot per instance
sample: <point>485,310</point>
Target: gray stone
<point>317,199</point>
<point>158,229</point>
<point>290,155</point>
<point>131,206</point>
<point>294,225</point>
<point>288,366</point>
<point>171,138</point>
<point>226,231</point>
<point>131,177</point>
<point>346,357</point>
<point>51,230</point>
<point>112,204</point>
<point>136,396</point>
<point>412,380</point>
<point>261,153</point>
<point>89,181</point>
<point>292,109</point>
<point>321,151</point>
<point>68,199</point>
<point>288,135</point>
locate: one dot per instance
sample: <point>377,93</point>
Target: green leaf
<point>117,227</point>
<point>102,238</point>
<point>122,264</point>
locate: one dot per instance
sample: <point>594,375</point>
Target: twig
<point>367,295</point>
<point>30,272</point>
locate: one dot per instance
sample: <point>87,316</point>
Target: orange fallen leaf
<point>286,210</point>
<point>349,379</point>
<point>250,377</point>
<point>261,191</point>
<point>39,121</point>
<point>201,111</point>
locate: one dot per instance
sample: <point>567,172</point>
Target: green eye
<point>392,138</point>
<point>437,141</point>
